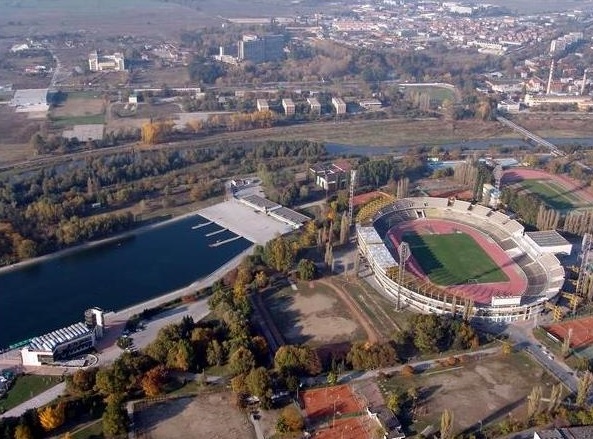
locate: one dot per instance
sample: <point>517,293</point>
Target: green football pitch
<point>453,259</point>
<point>552,194</point>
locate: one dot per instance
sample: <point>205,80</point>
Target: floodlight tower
<point>351,198</point>
<point>404,254</point>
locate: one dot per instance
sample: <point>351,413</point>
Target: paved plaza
<point>245,221</point>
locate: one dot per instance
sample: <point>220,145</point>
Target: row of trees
<point>46,210</point>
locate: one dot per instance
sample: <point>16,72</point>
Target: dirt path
<point>373,335</point>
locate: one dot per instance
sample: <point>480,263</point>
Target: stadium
<point>464,258</point>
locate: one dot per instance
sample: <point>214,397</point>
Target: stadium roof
<point>370,235</point>
<point>48,342</point>
<point>547,238</point>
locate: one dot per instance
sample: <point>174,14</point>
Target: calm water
<point>340,149</point>
<point>55,293</point>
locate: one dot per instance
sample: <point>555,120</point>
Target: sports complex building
<point>464,258</point>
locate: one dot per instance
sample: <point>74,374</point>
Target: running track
<point>480,293</point>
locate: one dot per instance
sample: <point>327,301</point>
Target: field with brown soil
<point>199,417</point>
<point>312,314</point>
<point>500,384</point>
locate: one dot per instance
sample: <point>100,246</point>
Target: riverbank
<point>204,282</point>
<point>94,244</point>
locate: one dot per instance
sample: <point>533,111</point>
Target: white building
<point>339,105</point>
<point>314,105</point>
<point>548,241</point>
<point>288,105</point>
<point>113,62</point>
<point>66,343</point>
<point>262,105</point>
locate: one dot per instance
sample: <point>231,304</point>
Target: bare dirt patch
<point>79,106</point>
<point>200,416</point>
<point>500,385</point>
<point>314,316</point>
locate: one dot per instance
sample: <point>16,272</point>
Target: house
<point>508,106</point>
<point>288,106</point>
<point>388,421</point>
<point>314,105</point>
<point>339,105</point>
<point>371,104</point>
<point>100,63</point>
<point>333,176</point>
<point>262,105</point>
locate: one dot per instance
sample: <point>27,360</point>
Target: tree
<point>447,425</point>
<point>258,382</point>
<point>215,353</point>
<point>182,356</point>
<point>584,386</point>
<point>306,269</point>
<point>291,419</point>
<point>241,361</point>
<point>152,381</point>
<point>332,378</point>
<point>555,397</point>
<point>534,401</point>
<point>82,381</point>
<point>394,402</point>
<point>344,229</point>
<point>51,417</point>
<point>114,417</point>
<point>261,279</point>
<point>290,359</point>
<point>23,431</point>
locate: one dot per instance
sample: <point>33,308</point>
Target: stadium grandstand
<point>534,277</point>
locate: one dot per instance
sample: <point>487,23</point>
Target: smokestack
<point>549,88</point>
<point>584,82</point>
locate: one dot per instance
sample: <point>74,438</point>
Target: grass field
<point>552,194</point>
<point>453,259</point>
<point>437,94</point>
<point>26,387</point>
<point>62,122</point>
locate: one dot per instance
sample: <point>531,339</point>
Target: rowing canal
<point>55,292</point>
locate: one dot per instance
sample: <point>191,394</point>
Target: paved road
<point>37,401</point>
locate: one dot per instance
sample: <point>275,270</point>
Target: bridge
<point>529,135</point>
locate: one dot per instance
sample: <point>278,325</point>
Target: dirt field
<point>319,403</point>
<point>79,104</point>
<point>500,384</point>
<point>312,315</point>
<point>582,332</point>
<point>198,417</point>
<point>558,125</point>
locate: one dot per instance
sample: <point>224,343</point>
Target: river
<point>55,292</point>
<point>341,149</point>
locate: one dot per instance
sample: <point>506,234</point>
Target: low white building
<point>99,63</point>
<point>548,241</point>
<point>262,105</point>
<point>66,343</point>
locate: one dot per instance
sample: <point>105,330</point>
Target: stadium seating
<point>544,273</point>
